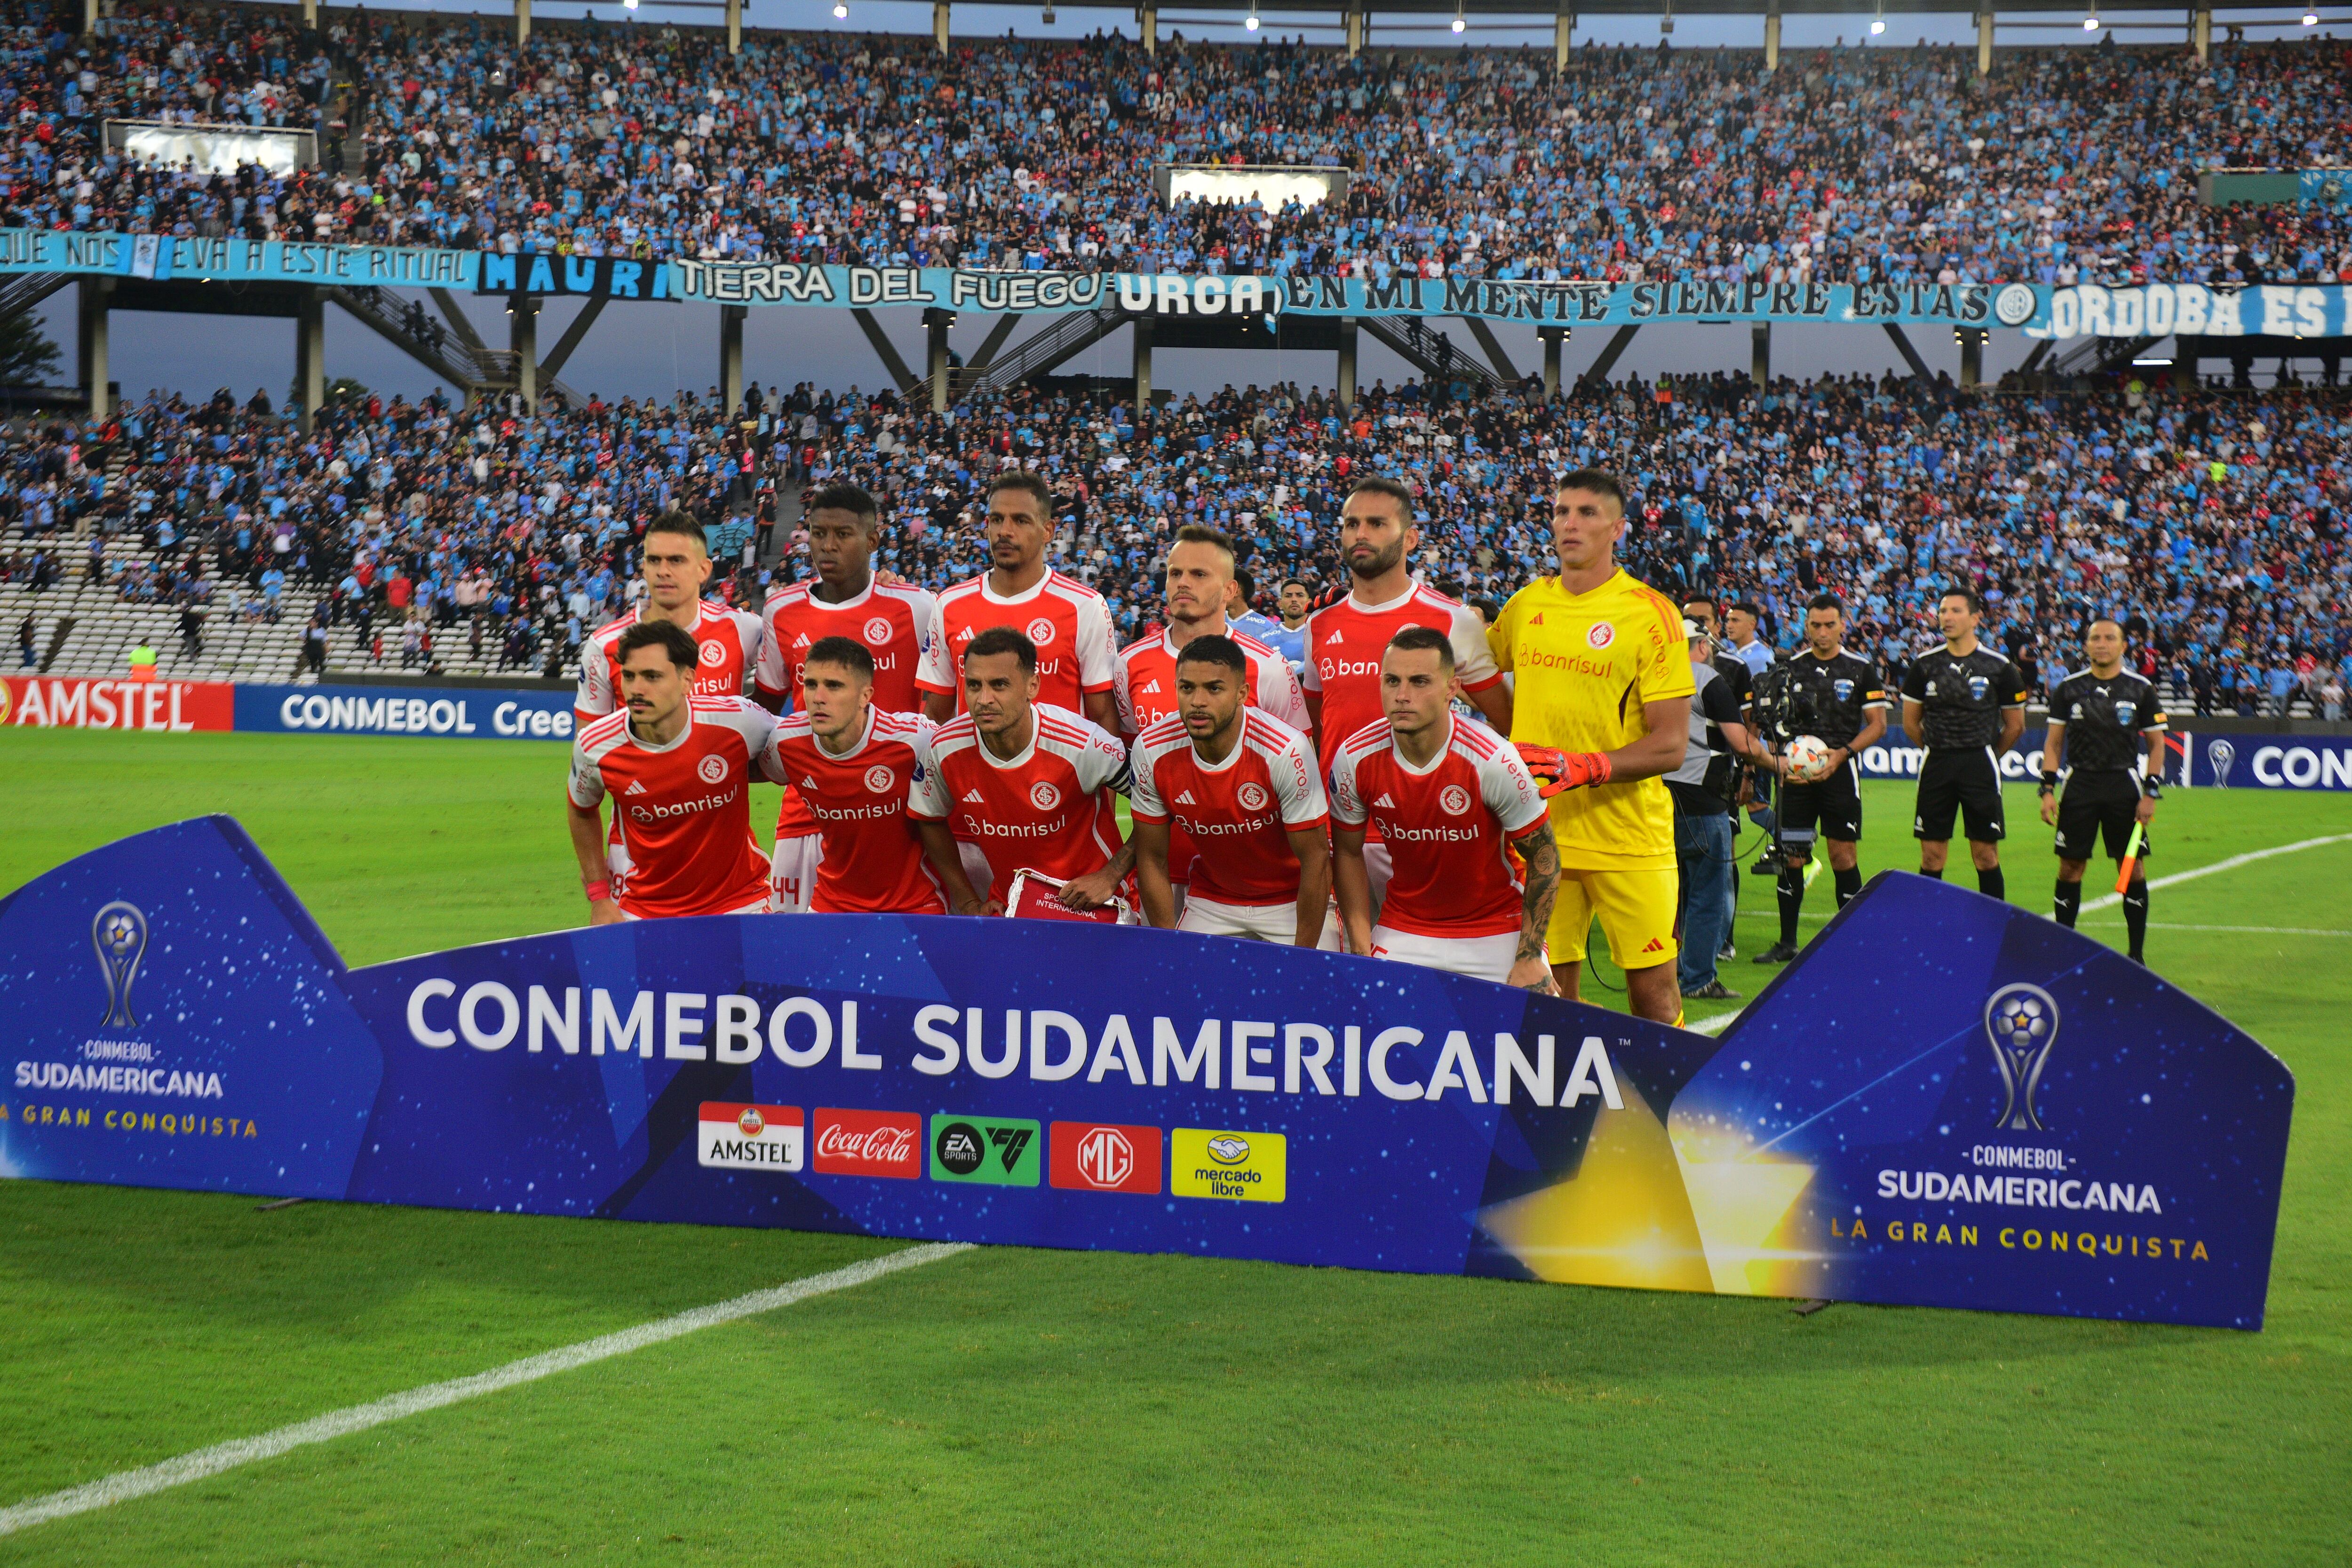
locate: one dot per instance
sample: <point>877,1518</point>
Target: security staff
<point>1836,697</point>
<point>2103,720</point>
<point>1965,703</point>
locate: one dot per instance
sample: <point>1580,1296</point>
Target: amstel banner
<point>2021,1122</point>
<point>79,702</point>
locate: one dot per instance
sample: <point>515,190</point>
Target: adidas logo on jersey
<point>807,783</point>
<point>1186,799</point>
<point>1335,639</point>
<point>801,640</point>
<point>636,786</point>
<point>1153,691</point>
<point>1655,946</point>
<point>973,797</point>
<point>1535,619</point>
<point>1384,800</point>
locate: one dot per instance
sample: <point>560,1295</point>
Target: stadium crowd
<point>1847,164</point>
<point>2213,522</point>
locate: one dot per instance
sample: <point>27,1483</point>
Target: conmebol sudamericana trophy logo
<point>120,934</point>
<point>2223,756</point>
<point>2022,1023</point>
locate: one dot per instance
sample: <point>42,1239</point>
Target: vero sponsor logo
<point>868,1143</point>
<point>1104,1157</point>
<point>732,1137</point>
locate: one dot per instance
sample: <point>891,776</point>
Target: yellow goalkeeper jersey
<point>1582,666</point>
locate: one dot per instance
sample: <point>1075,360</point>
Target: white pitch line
<point>2247,931</point>
<point>2232,864</point>
<point>125,1485</point>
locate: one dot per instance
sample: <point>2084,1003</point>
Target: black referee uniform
<point>2108,720</point>
<point>1961,699</point>
<point>1831,699</point>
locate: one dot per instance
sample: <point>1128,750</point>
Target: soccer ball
<point>1808,758</point>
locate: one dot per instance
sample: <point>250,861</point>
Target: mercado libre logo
<point>120,934</point>
<point>998,1151</point>
<point>1246,1167</point>
<point>2022,1021</point>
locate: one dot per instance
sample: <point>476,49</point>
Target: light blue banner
<point>232,260</point>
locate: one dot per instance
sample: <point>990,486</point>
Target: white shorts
<point>792,873</point>
<point>756,907</point>
<point>1256,923</point>
<point>1479,957</point>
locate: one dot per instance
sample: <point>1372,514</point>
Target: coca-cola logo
<point>868,1143</point>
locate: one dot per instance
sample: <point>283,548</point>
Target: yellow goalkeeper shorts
<point>1637,910</point>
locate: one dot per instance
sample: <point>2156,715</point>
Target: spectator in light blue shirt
<point>1240,616</point>
<point>1739,625</point>
<point>1288,636</point>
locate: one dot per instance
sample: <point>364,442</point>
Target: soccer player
<point>1957,701</point>
<point>1199,577</point>
<point>845,600</point>
<point>1837,698</point>
<point>854,764</point>
<point>1604,674</point>
<point>1447,798</point>
<point>1248,793</point>
<point>680,769</point>
<point>2101,719</point>
<point>1065,621</point>
<point>676,565</point>
<point>1023,783</point>
<point>1289,638</point>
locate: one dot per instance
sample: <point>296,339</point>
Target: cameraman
<point>1702,788</point>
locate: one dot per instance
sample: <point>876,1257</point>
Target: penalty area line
<point>125,1485</point>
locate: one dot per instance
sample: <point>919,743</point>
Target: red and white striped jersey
<point>1447,826</point>
<point>858,799</point>
<point>1048,810</point>
<point>1344,644</point>
<point>889,619</point>
<point>729,640</point>
<point>1237,815</point>
<point>1144,682</point>
<point>1067,620</point>
<point>680,841</point>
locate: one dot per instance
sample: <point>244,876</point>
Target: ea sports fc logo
<point>1041,631</point>
<point>712,769</point>
<point>1045,795</point>
<point>713,655</point>
<point>1252,796</point>
<point>1455,799</point>
<point>1602,634</point>
<point>877,631</point>
<point>878,779</point>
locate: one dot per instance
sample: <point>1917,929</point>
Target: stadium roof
<point>1276,14</point>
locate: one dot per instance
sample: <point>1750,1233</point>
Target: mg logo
<point>1106,1158</point>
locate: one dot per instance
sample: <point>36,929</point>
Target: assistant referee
<point>2102,719</point>
<point>1604,675</point>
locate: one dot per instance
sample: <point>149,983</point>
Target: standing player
<point>677,565</point>
<point>2101,719</point>
<point>1022,785</point>
<point>1448,798</point>
<point>855,765</point>
<point>1246,792</point>
<point>680,769</point>
<point>1835,696</point>
<point>1065,621</point>
<point>1288,638</point>
<point>1604,675</point>
<point>1956,702</point>
<point>888,619</point>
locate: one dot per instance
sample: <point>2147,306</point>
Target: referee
<point>2101,719</point>
<point>1966,704</point>
<point>1837,698</point>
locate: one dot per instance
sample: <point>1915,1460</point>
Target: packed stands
<point>1845,165</point>
<point>426,537</point>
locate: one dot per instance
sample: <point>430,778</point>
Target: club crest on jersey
<point>1041,631</point>
<point>2124,711</point>
<point>712,769</point>
<point>877,631</point>
<point>878,779</point>
<point>1602,634</point>
<point>1455,799</point>
<point>1252,796</point>
<point>1978,687</point>
<point>1844,689</point>
<point>1045,795</point>
<point>714,654</point>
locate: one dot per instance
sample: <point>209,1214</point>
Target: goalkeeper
<point>1602,709</point>
<point>1835,698</point>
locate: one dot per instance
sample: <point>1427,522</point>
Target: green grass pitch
<point>1018,1406</point>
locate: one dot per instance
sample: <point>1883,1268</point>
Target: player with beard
<point>843,600</point>
<point>678,769</point>
<point>677,563</point>
<point>1246,792</point>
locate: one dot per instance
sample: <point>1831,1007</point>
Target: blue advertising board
<point>2239,760</point>
<point>1944,1102</point>
<point>474,712</point>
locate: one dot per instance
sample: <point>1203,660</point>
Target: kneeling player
<point>1244,788</point>
<point>1448,797</point>
<point>680,769</point>
<point>854,767</point>
<point>2099,719</point>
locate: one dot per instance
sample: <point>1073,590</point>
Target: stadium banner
<point>2023,1120</point>
<point>482,713</point>
<point>613,276</point>
<point>80,702</point>
<point>2260,761</point>
<point>229,260</point>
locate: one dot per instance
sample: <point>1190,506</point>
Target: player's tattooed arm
<point>1096,888</point>
<point>1529,967</point>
